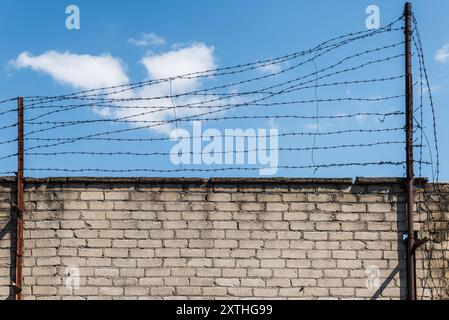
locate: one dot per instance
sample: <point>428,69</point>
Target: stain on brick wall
<point>91,238</point>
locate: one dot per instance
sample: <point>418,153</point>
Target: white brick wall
<point>265,240</point>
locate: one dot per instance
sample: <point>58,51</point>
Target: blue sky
<point>221,33</point>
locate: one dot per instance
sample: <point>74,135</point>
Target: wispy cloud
<point>272,124</point>
<point>314,127</point>
<point>148,39</point>
<point>442,55</point>
<point>270,68</point>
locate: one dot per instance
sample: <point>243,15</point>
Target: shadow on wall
<point>400,271</point>
<point>10,228</point>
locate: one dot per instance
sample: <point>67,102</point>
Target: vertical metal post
<point>411,261</point>
<point>20,202</point>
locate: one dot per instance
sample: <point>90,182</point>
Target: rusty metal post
<point>411,259</point>
<point>20,202</point>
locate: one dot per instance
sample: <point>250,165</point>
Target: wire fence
<point>333,110</point>
<point>327,111</point>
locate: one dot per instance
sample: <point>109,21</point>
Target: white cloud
<point>195,58</point>
<point>361,119</point>
<point>148,39</point>
<point>442,55</point>
<point>79,71</point>
<point>87,72</point>
<point>270,68</point>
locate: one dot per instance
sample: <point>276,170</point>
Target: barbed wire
<point>329,165</point>
<point>7,100</point>
<point>429,89</point>
<point>251,65</point>
<point>49,117</point>
<point>224,135</point>
<point>433,203</point>
<point>270,95</point>
<point>124,153</point>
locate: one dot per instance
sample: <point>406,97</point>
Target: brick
<point>167,253</point>
<point>136,234</point>
<point>349,264</point>
<point>73,243</point>
<point>168,196</point>
<point>239,292</point>
<point>126,206</point>
<point>175,243</point>
<point>318,197</point>
<point>49,205</point>
<point>178,206</point>
<point>44,290</point>
<point>113,253</point>
<point>347,217</point>
<point>269,198</point>
<point>219,197</point>
<point>296,216</point>
<point>121,225</point>
<point>75,205</point>
<point>285,273</point>
<point>169,215</point>
<point>45,252</point>
<point>291,292</point>
<point>379,207</point>
<point>235,272</point>
<point>111,234</point>
<point>237,234</point>
<point>227,282</point>
<point>161,234</point>
<point>253,244</point>
<point>353,208</point>
<point>302,207</point>
<point>366,236</point>
<point>92,196</point>
<point>342,292</point>
<point>265,292</point>
<point>353,226</point>
<point>215,291</point>
<point>272,263</point>
<point>324,264</point>
<point>145,206</point>
<point>208,272</point>
<point>116,196</point>
<point>99,243</point>
<point>315,235</point>
<point>342,254</point>
<point>316,292</point>
<point>100,205</point>
<point>111,291</point>
<point>330,283</point>
<point>251,207</point>
<point>277,207</point>
<point>328,207</point>
<point>157,272</point>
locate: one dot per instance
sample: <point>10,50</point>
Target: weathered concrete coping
<point>147,180</point>
<point>387,181</point>
<point>206,181</point>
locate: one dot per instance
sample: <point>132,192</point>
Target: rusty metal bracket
<point>419,243</point>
